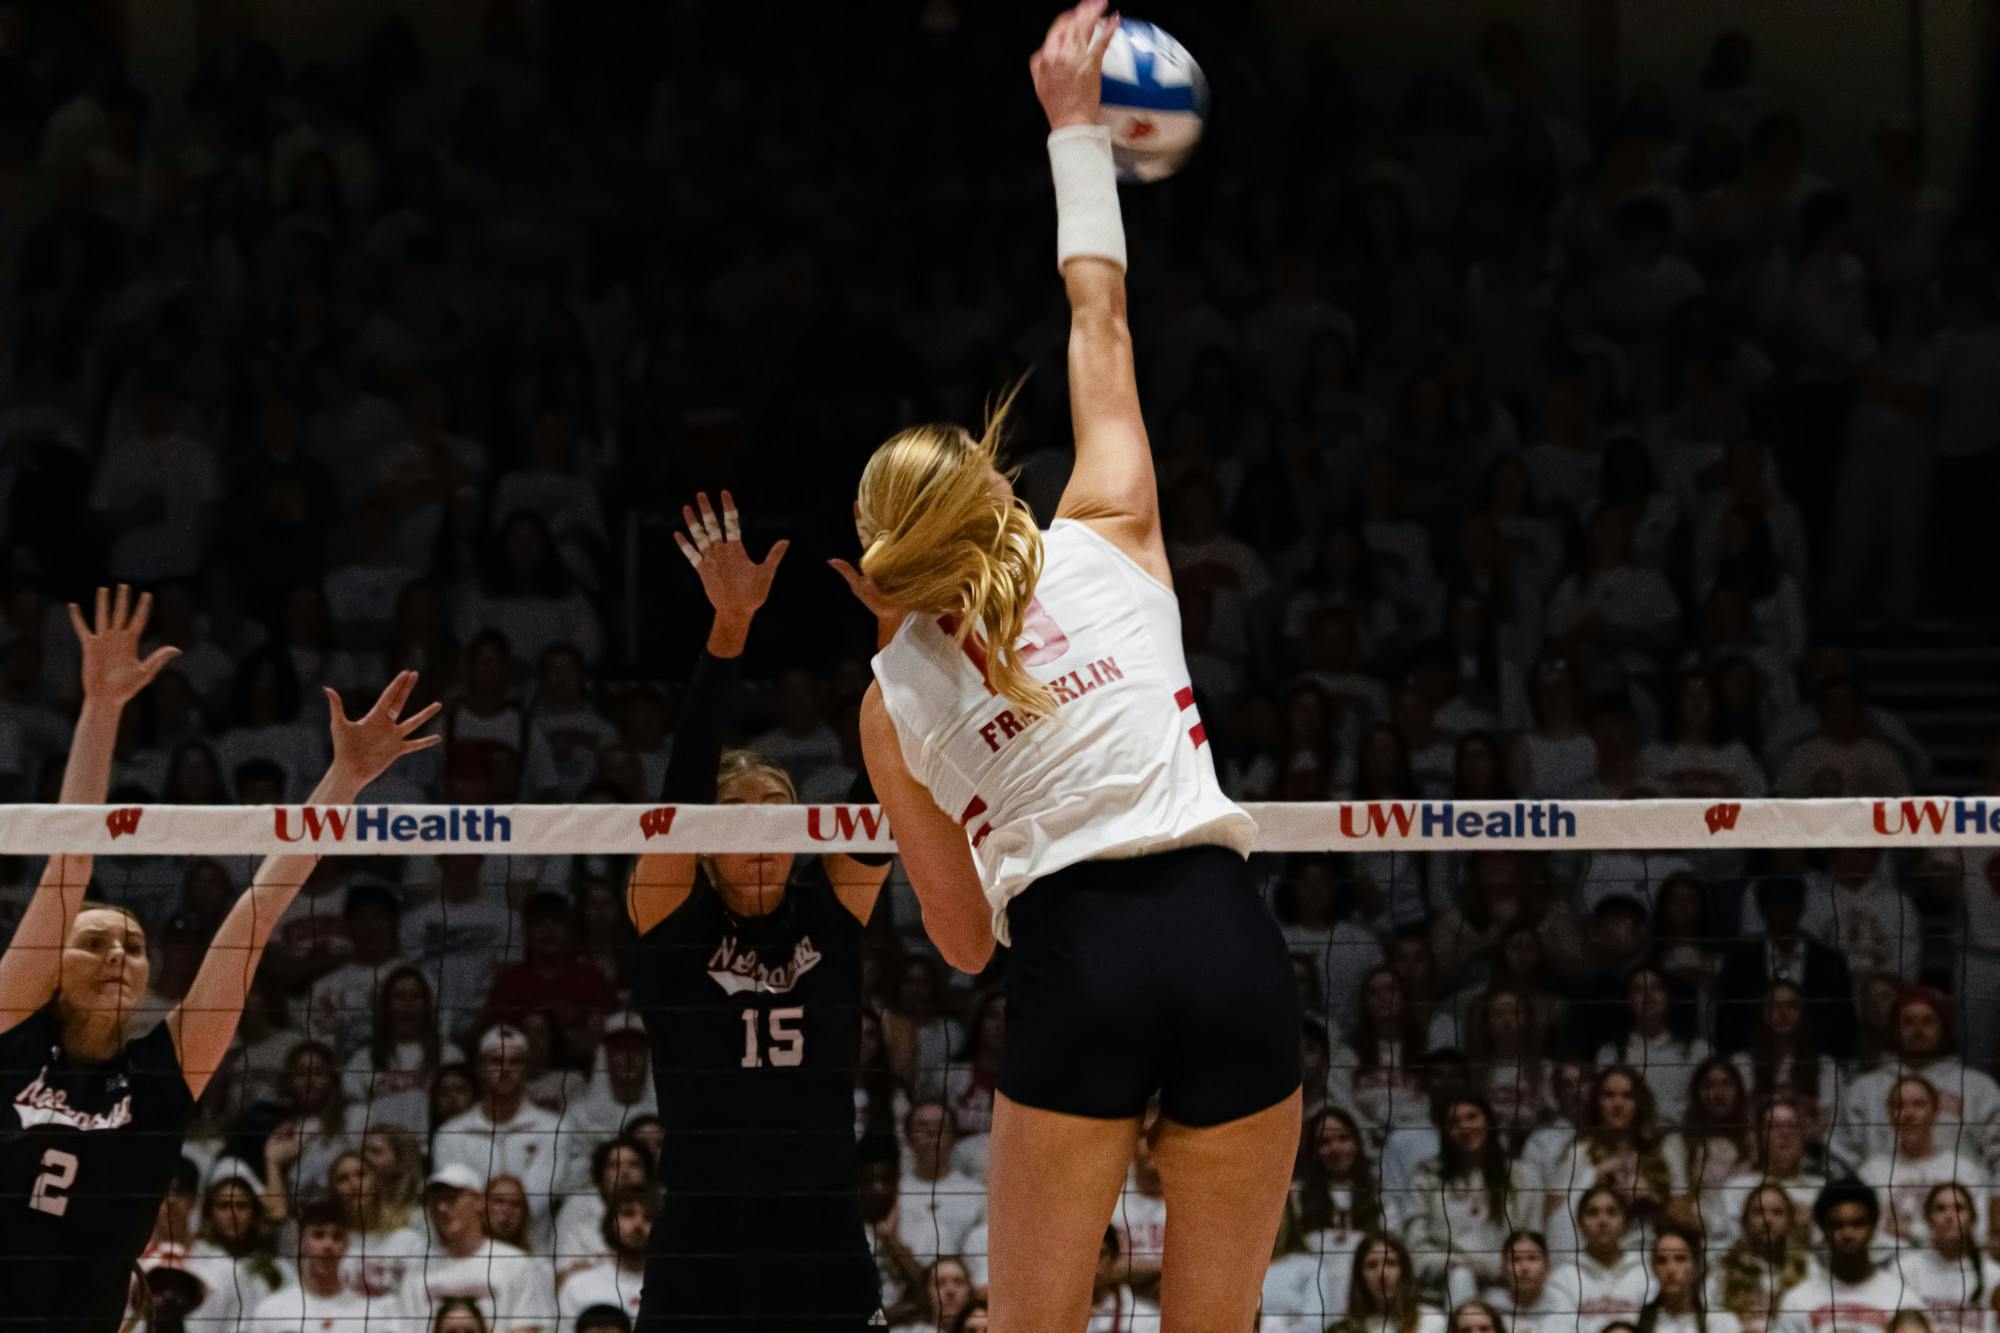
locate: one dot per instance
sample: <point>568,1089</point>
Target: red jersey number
<point>1042,640</point>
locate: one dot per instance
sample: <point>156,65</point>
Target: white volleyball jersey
<point>1121,770</point>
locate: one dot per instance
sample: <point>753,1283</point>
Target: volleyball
<point>1155,102</point>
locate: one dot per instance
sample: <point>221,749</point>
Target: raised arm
<point>737,587</point>
<point>1112,486</point>
<point>932,845</point>
<point>204,1023</point>
<point>112,675</point>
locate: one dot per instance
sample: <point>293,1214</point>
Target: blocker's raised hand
<point>1070,65</point>
<point>112,671</point>
<point>364,749</point>
<point>735,584</point>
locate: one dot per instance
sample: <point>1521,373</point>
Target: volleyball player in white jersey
<point>1031,735</point>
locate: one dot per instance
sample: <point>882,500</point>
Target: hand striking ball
<point>1155,102</point>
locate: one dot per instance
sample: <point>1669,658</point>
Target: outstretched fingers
<point>157,662</point>
<point>776,553</point>
<point>392,700</point>
<point>418,718</point>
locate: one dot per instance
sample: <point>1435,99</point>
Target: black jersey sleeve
<point>29,1039</point>
<point>157,1074</point>
<point>705,711</point>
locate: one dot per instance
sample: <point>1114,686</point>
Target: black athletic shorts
<point>759,1265</point>
<point>1164,973</point>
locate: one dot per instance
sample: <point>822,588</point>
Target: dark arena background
<point>1577,433</point>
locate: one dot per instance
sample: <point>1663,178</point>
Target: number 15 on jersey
<point>785,1046</point>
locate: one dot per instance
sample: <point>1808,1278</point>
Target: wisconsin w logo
<point>1722,818</point>
<point>122,822</point>
<point>657,823</point>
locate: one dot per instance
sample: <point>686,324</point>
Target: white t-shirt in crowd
<point>1902,1183</point>
<point>1956,1295</point>
<point>1833,1306</point>
<point>933,1216</point>
<point>296,1310</point>
<point>1968,1111</point>
<point>602,1283</point>
<point>1609,1293</point>
<point>515,1291</point>
<point>1554,1311</point>
<point>377,1262</point>
<point>529,1147</point>
<point>1122,1312</point>
<point>1666,1063</point>
<point>1291,1296</point>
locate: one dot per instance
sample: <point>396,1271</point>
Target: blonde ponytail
<point>942,540</point>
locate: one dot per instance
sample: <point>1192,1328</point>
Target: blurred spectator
<point>340,1009</point>
<point>616,1281</point>
<point>506,1134</point>
<point>551,979</point>
<point>1782,950</point>
<point>936,1203</point>
<point>319,1294</point>
<point>512,1291</point>
<point>618,1168</point>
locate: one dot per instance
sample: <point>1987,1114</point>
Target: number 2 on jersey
<point>787,1048</point>
<point>58,1173</point>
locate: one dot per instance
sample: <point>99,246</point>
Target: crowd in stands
<point>1505,452</point>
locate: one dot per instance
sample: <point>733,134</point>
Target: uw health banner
<point>528,830</point>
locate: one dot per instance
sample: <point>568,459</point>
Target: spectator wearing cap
<point>340,1006</point>
<point>318,1298</point>
<point>551,978</point>
<point>627,1229</point>
<point>1783,951</point>
<point>235,1252</point>
<point>506,1134</point>
<point>620,1090</point>
<point>515,1293</point>
<point>1968,1099</point>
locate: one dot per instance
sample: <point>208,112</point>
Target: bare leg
<point>1225,1189</point>
<point>1052,1184</point>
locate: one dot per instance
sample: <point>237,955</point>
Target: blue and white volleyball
<point>1155,102</point>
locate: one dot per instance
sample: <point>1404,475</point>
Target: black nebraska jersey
<point>756,1029</point>
<point>86,1152</point>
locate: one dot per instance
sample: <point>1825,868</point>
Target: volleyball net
<point>1519,1015</point>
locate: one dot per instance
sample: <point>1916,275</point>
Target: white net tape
<point>394,830</point>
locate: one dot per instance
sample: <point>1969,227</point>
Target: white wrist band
<point>1087,218</point>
